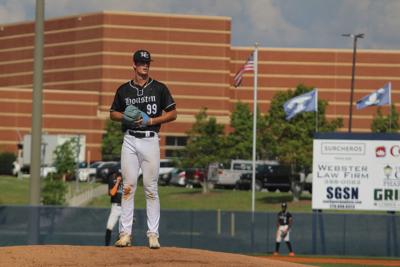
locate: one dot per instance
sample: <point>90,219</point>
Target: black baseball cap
<point>284,205</point>
<point>142,56</point>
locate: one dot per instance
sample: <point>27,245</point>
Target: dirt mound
<point>55,255</point>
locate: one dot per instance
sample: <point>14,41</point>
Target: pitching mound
<point>46,256</point>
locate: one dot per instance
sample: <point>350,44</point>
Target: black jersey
<point>153,98</point>
<point>117,197</point>
<point>283,217</point>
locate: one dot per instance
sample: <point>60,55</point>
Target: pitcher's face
<point>142,68</point>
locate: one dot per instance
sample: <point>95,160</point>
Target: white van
<point>167,168</point>
<point>227,177</point>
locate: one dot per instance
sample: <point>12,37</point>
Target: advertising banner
<point>356,171</point>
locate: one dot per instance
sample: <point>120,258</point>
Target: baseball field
<point>61,255</point>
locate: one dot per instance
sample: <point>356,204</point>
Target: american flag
<point>248,66</point>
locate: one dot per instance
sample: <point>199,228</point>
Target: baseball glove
<point>131,114</point>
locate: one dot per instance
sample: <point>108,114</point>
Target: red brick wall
<point>88,56</point>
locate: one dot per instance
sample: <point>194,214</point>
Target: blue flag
<point>380,97</point>
<point>302,103</point>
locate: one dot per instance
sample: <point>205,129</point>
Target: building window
<point>173,145</point>
<point>176,140</point>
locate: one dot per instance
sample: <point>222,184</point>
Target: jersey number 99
<point>151,109</point>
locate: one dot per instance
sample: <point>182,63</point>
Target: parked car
<point>114,169</point>
<point>46,170</point>
<point>85,173</point>
<point>227,176</point>
<point>167,168</point>
<point>103,170</point>
<point>271,177</point>
<point>178,178</point>
<point>194,177</point>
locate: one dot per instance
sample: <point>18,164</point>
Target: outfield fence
<point>238,232</point>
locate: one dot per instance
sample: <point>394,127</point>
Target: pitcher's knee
<point>151,195</point>
<point>128,191</point>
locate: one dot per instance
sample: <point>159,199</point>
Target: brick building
<point>87,56</point>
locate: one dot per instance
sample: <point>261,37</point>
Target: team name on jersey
<point>139,100</point>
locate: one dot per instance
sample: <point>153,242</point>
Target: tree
<point>65,158</point>
<point>112,141</point>
<point>206,142</point>
<point>386,124</point>
<point>240,140</point>
<point>291,141</point>
<point>54,190</point>
<point>205,145</point>
<point>54,187</point>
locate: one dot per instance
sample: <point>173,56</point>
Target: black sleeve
<point>167,101</point>
<point>117,104</point>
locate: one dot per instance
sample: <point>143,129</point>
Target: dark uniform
<point>284,224</point>
<point>152,98</point>
<point>283,217</point>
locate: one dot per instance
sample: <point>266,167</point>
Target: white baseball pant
<point>115,213</point>
<point>279,233</point>
<point>141,153</point>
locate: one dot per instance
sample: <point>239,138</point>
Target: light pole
<point>355,37</point>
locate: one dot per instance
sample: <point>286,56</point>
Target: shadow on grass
<point>192,191</point>
<point>199,191</point>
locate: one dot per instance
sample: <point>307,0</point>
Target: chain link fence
<point>238,232</point>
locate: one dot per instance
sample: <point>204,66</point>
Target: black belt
<point>141,134</point>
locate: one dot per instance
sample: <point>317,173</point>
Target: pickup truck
<point>227,177</point>
<point>270,177</point>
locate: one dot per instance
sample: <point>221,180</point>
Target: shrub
<point>54,190</point>
<point>6,162</point>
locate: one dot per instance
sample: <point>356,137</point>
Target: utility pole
<point>353,70</point>
<point>36,141</point>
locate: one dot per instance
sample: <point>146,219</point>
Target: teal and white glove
<point>131,114</point>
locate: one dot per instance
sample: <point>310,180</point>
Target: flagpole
<point>253,181</point>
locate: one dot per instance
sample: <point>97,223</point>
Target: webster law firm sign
<point>356,171</point>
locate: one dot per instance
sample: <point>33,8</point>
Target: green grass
<point>14,191</point>
<point>178,198</point>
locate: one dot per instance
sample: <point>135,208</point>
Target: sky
<point>271,23</point>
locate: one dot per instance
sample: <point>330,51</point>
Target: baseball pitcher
<point>141,105</point>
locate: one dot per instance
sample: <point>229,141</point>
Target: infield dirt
<point>88,256</point>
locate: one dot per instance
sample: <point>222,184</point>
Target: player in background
<point>284,225</point>
<point>141,149</point>
<point>115,192</point>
